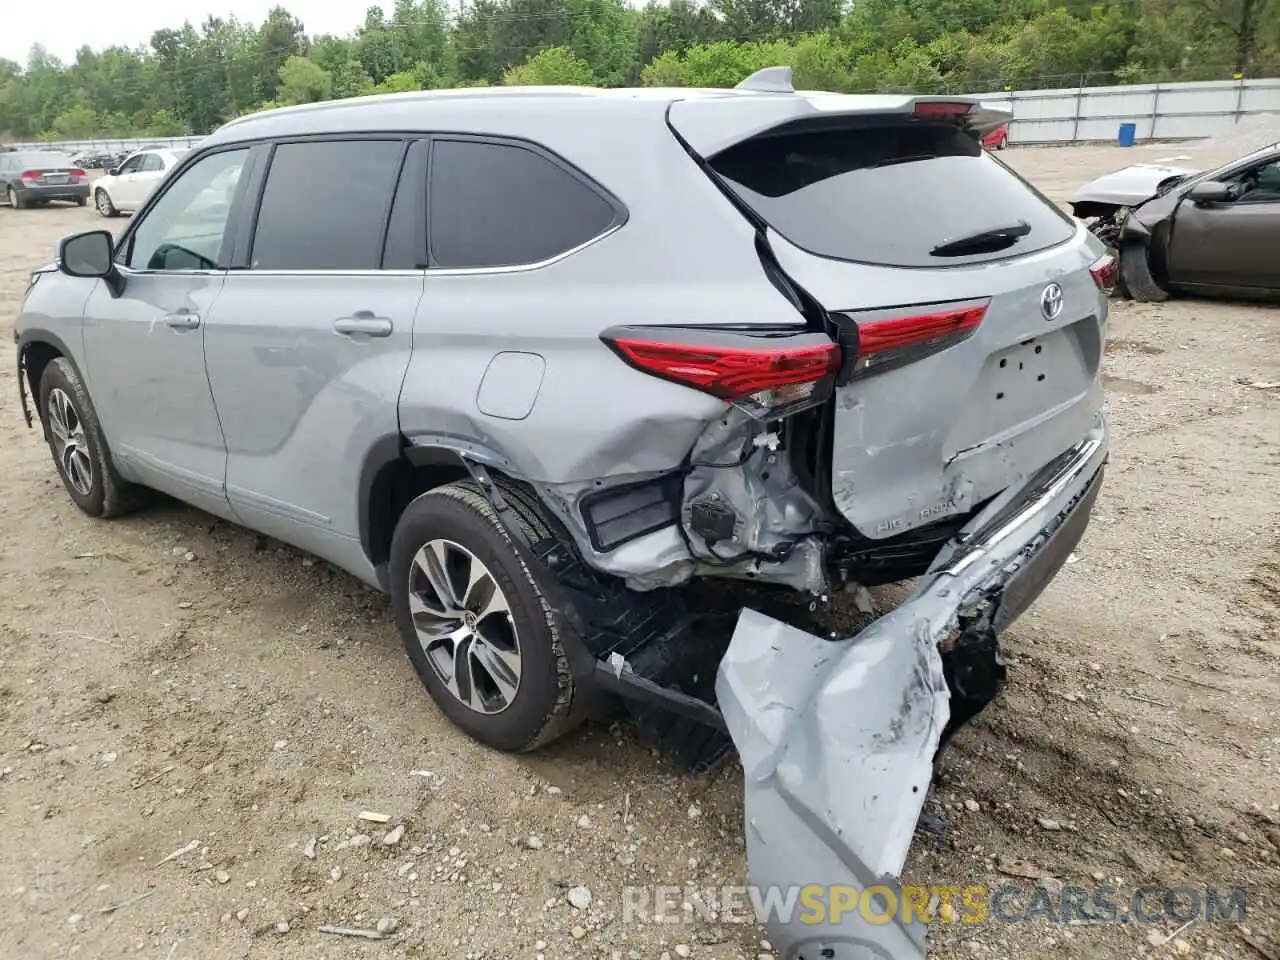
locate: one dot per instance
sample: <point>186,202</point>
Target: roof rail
<point>768,80</point>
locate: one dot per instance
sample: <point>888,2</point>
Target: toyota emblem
<point>1051,301</point>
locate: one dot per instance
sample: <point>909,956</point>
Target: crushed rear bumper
<point>837,738</point>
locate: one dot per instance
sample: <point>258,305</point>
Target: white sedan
<point>126,188</point>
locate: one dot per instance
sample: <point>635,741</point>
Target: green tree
<point>76,123</point>
<point>302,81</point>
<point>553,66</point>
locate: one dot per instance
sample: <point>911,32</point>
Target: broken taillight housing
<point>1105,272</point>
<point>893,338</point>
<point>768,376</point>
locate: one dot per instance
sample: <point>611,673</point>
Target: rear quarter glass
<point>887,193</point>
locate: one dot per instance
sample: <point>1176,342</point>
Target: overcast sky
<point>69,24</point>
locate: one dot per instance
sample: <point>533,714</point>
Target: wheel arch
<point>37,348</point>
<point>395,473</point>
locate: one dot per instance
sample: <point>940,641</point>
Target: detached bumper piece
<point>837,738</point>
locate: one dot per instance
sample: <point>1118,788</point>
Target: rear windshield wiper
<point>984,241</point>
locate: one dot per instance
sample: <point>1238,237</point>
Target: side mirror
<point>1210,191</point>
<point>88,255</point>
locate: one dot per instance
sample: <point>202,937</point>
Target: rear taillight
<point>892,338</point>
<point>1105,272</point>
<point>768,376</point>
<point>31,175</point>
<point>78,174</point>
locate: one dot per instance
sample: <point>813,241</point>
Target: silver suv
<point>538,363</point>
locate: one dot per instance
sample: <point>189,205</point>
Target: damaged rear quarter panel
<point>684,256</point>
<point>837,738</point>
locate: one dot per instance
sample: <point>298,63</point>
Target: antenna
<point>769,80</point>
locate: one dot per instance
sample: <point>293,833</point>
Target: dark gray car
<point>38,177</point>
<point>1211,232</point>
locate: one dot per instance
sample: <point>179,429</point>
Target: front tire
<point>102,201</point>
<point>79,449</point>
<point>474,619</point>
<point>1135,272</point>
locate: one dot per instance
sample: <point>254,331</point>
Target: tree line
<point>190,79</point>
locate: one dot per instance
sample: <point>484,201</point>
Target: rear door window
<point>151,163</point>
<point>325,204</point>
<point>496,204</point>
<point>890,194</point>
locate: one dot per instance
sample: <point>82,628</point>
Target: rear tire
<point>474,619</point>
<point>1135,272</point>
<point>1002,143</point>
<point>79,449</point>
<point>81,201</point>
<point>16,201</point>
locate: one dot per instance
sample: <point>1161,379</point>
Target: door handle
<point>363,323</point>
<point>182,320</point>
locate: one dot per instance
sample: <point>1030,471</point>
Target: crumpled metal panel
<point>837,741</point>
<point>837,737</point>
<point>1130,186</point>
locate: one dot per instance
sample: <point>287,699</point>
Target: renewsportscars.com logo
<point>830,906</point>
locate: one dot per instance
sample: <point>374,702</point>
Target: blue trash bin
<point>1128,134</point>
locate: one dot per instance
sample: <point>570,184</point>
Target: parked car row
<point>36,178</point>
<point>100,160</point>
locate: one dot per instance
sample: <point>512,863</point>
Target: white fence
<point>1160,111</point>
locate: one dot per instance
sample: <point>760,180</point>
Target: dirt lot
<point>168,680</point>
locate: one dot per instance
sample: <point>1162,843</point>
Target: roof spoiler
<point>709,124</point>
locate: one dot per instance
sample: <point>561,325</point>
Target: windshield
<point>1218,172</point>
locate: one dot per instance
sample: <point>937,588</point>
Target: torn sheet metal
<point>837,738</point>
<point>739,467</point>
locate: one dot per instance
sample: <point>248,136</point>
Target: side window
<point>1266,183</point>
<point>184,230</point>
<point>499,204</point>
<point>325,204</point>
<point>151,163</point>
<point>132,164</point>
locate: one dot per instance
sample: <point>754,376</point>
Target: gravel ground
<point>173,685</point>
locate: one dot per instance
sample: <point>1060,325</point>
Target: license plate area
<point>1020,384</point>
<point>54,178</point>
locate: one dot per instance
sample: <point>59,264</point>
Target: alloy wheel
<point>69,444</point>
<point>103,203</point>
<point>464,624</point>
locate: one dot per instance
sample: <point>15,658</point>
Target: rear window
<point>499,204</point>
<point>893,194</point>
<point>45,161</point>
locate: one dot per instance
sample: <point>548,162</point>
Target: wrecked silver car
<point>1177,229</point>
<point>615,393</point>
